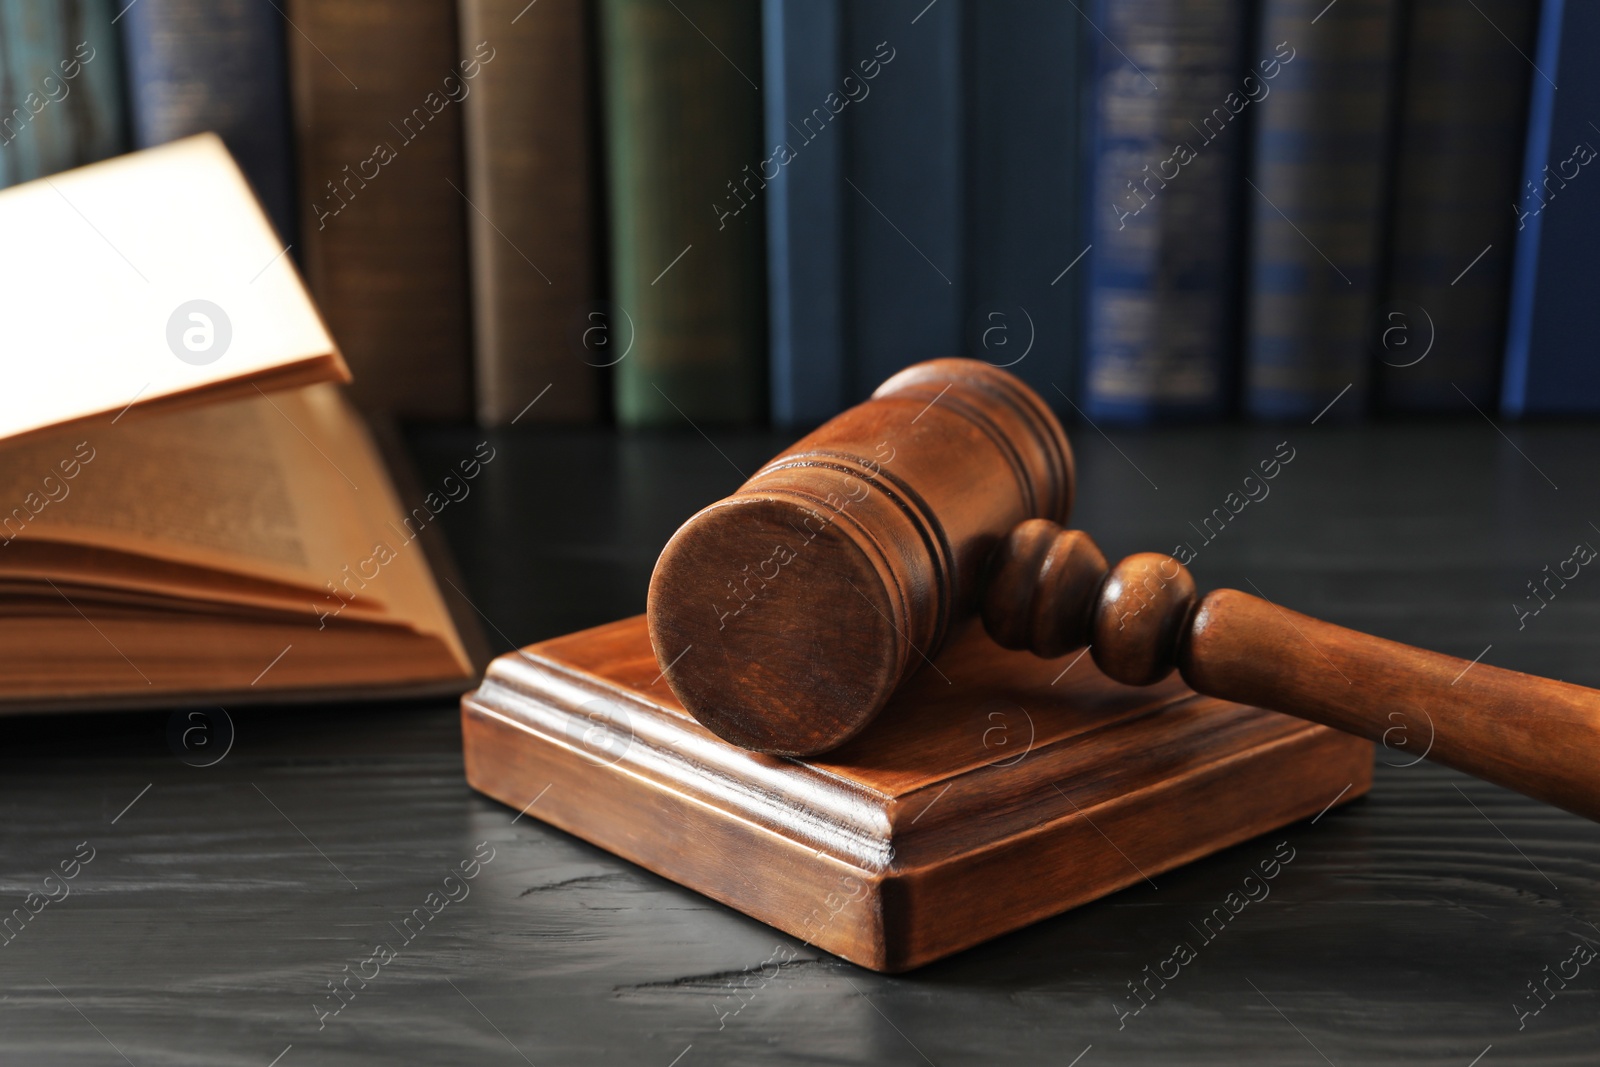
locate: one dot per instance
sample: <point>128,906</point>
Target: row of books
<point>429,164</point>
<point>1188,208</point>
<point>724,211</point>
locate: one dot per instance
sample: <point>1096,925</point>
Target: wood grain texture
<point>929,520</point>
<point>1402,932</point>
<point>986,797</point>
<point>377,118</point>
<point>786,615</point>
<point>1538,736</point>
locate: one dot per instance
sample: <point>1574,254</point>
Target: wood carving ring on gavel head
<point>786,615</point>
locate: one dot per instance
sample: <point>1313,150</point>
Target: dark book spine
<point>539,334</point>
<point>61,87</point>
<point>906,187</point>
<point>1458,159</point>
<point>932,184</point>
<point>377,91</point>
<point>1024,189</point>
<point>1172,103</point>
<point>687,181</point>
<point>805,210</point>
<point>1550,367</point>
<point>1318,193</point>
<point>215,65</point>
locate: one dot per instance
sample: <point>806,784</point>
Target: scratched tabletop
<point>189,914</point>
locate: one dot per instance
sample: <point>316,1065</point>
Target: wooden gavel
<point>786,615</point>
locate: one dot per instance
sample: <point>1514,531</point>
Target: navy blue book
<point>215,65</point>
<point>801,42</point>
<point>1024,227</point>
<point>865,125</point>
<point>921,191</point>
<point>1319,183</point>
<point>1550,366</point>
<point>1173,92</point>
<point>61,87</point>
<point>905,189</point>
<point>1458,161</point>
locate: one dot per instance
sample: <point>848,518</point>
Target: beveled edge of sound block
<point>907,846</point>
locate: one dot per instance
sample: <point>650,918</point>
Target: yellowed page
<point>380,530</point>
<point>100,269</point>
<point>208,487</point>
<point>277,501</point>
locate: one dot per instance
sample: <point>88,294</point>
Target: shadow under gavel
<point>786,615</point>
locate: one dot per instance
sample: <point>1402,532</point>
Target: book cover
<point>1550,367</point>
<point>1458,159</point>
<point>61,86</point>
<point>532,225</point>
<point>215,65</point>
<point>1027,249</point>
<point>681,97</point>
<point>377,95</point>
<point>928,202</point>
<point>1174,93</point>
<point>802,52</point>
<point>1318,196</point>
<point>867,210</point>
<point>905,194</point>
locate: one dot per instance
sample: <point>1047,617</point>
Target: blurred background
<point>615,223</point>
<point>670,212</point>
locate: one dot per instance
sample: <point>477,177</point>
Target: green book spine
<point>61,87</point>
<point>682,106</point>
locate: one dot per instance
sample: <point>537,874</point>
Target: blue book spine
<point>217,65</point>
<point>1317,203</point>
<point>1550,366</point>
<point>1172,92</point>
<point>1023,172</point>
<point>1441,327</point>
<point>936,214</point>
<point>801,40</point>
<point>61,88</point>
<point>905,188</point>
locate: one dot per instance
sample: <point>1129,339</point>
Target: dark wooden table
<point>221,901</point>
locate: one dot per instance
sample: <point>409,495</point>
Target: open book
<point>180,523</point>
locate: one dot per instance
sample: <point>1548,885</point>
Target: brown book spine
<point>532,221</point>
<point>378,89</point>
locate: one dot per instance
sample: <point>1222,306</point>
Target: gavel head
<point>786,615</point>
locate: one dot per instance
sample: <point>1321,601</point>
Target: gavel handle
<point>1050,590</point>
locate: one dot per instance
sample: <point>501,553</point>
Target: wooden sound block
<point>995,790</point>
